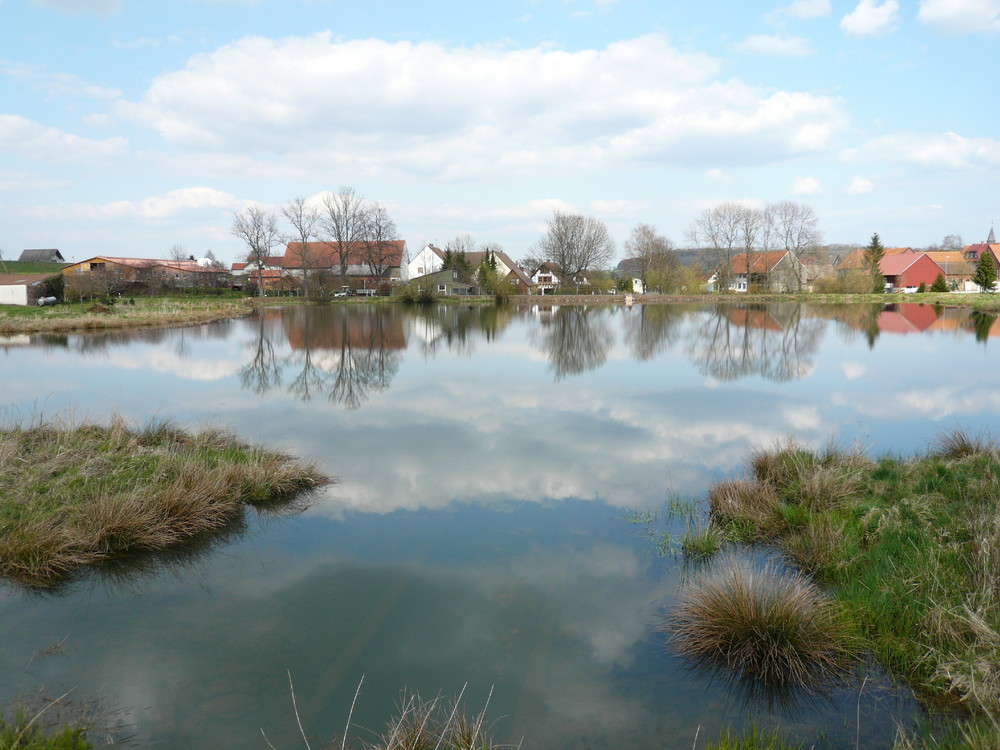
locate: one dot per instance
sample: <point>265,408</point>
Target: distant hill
<point>23,266</point>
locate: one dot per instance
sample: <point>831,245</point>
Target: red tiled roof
<point>327,255</point>
<point>759,262</point>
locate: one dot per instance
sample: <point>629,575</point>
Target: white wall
<point>14,294</point>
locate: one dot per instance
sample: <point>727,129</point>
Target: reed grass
<point>147,312</point>
<point>753,738</point>
<point>777,628</point>
<point>77,494</point>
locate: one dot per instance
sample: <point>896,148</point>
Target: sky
<point>128,127</point>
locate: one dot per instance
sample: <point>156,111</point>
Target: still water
<point>481,536</point>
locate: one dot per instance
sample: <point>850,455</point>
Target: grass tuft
<point>777,628</point>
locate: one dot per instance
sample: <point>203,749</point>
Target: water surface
<point>479,536</point>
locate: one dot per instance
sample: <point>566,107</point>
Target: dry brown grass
<point>80,494</point>
<point>777,628</point>
<point>745,500</point>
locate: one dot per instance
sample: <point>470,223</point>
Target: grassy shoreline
<point>909,548</point>
<point>82,494</point>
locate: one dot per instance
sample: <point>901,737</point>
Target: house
<point>244,269</point>
<point>548,276</point>
<point>958,268</point>
<point>907,271</point>
<point>367,263</point>
<point>431,259</point>
<point>445,281</point>
<point>42,256</point>
<point>23,288</point>
<point>776,271</point>
<point>107,274</point>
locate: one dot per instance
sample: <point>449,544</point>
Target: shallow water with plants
<point>505,478</point>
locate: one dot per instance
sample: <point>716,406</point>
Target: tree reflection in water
<point>262,372</point>
<point>575,339</point>
<point>649,329</point>
<point>775,342</point>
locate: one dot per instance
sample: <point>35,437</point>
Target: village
<point>323,269</point>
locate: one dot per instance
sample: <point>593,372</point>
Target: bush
<point>940,284</point>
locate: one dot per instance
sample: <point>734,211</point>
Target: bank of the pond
<point>909,546</point>
<point>80,494</point>
<point>146,312</point>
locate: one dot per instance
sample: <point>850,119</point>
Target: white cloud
<point>182,202</point>
<point>422,109</point>
<point>11,181</point>
<point>97,7</point>
<point>853,370</point>
<point>860,186</point>
<point>31,139</point>
<point>801,10</point>
<point>961,16</point>
<point>806,186</point>
<point>63,85</point>
<point>769,44</point>
<point>935,150</point>
<point>717,175</point>
<point>869,19</point>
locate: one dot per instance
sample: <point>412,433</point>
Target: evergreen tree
<point>449,259</point>
<point>940,284</point>
<point>874,252</point>
<point>986,273</point>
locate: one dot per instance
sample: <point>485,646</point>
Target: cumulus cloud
<point>961,16</point>
<point>801,10</point>
<point>769,44</point>
<point>21,136</point>
<point>806,186</point>
<point>717,175</point>
<point>11,180</point>
<point>933,150</point>
<point>870,19</point>
<point>422,109</point>
<point>860,186</point>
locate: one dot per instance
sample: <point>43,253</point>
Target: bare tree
<point>576,243</point>
<point>304,220</point>
<point>750,220</point>
<point>379,235</point>
<point>179,252</point>
<point>795,226</point>
<point>649,250</point>
<point>258,228</point>
<point>952,242</point>
<point>718,231</point>
<point>344,223</point>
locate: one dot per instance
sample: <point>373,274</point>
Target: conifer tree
<point>874,252</point>
<point>940,284</point>
<point>986,273</point>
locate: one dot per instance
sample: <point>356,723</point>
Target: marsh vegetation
<point>77,494</point>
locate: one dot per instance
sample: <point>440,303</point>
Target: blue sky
<point>129,126</point>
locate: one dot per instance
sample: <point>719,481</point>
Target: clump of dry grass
<point>774,627</point>
<point>957,443</point>
<point>80,494</point>
<point>745,500</point>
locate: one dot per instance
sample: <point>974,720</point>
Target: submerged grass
<point>80,494</point>
<point>909,547</point>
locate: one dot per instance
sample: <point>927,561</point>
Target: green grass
<point>80,494</point>
<point>753,739</point>
<point>25,733</point>
<point>910,547</point>
<point>147,311</point>
<point>19,266</point>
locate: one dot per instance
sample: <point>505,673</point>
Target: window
<point>442,288</point>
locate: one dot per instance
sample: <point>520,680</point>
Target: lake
<point>496,528</point>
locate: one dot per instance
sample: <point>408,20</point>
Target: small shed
<point>50,255</point>
<point>22,288</point>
